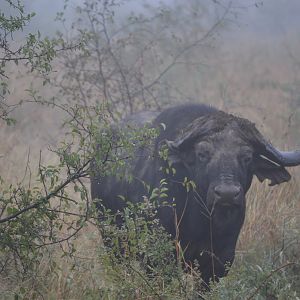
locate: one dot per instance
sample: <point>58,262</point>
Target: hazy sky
<point>272,17</point>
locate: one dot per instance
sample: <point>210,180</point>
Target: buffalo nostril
<point>218,191</point>
<point>237,192</point>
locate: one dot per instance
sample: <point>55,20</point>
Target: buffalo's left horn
<point>283,158</point>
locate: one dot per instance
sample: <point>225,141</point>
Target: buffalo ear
<point>266,169</point>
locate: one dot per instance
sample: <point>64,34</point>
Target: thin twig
<point>54,193</point>
<point>145,280</point>
<point>268,277</point>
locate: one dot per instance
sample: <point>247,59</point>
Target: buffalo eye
<point>203,151</point>
<point>203,156</point>
<point>247,159</point>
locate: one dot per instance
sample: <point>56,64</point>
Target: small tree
<point>130,62</point>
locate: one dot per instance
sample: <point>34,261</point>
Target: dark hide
<point>220,153</point>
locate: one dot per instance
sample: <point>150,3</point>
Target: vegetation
<point>53,244</point>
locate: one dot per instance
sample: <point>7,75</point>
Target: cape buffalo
<point>220,153</point>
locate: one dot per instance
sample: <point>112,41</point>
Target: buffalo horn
<point>283,158</point>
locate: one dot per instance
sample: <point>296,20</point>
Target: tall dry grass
<point>272,224</point>
<point>271,213</point>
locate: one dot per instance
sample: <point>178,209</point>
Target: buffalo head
<point>221,153</point>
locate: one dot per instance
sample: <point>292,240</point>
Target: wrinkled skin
<point>220,153</point>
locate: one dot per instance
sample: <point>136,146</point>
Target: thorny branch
<point>37,55</point>
<point>81,172</point>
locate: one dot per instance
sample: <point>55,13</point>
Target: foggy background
<point>251,68</point>
<point>267,19</point>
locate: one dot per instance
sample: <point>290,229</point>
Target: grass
<point>266,264</point>
<point>270,212</point>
